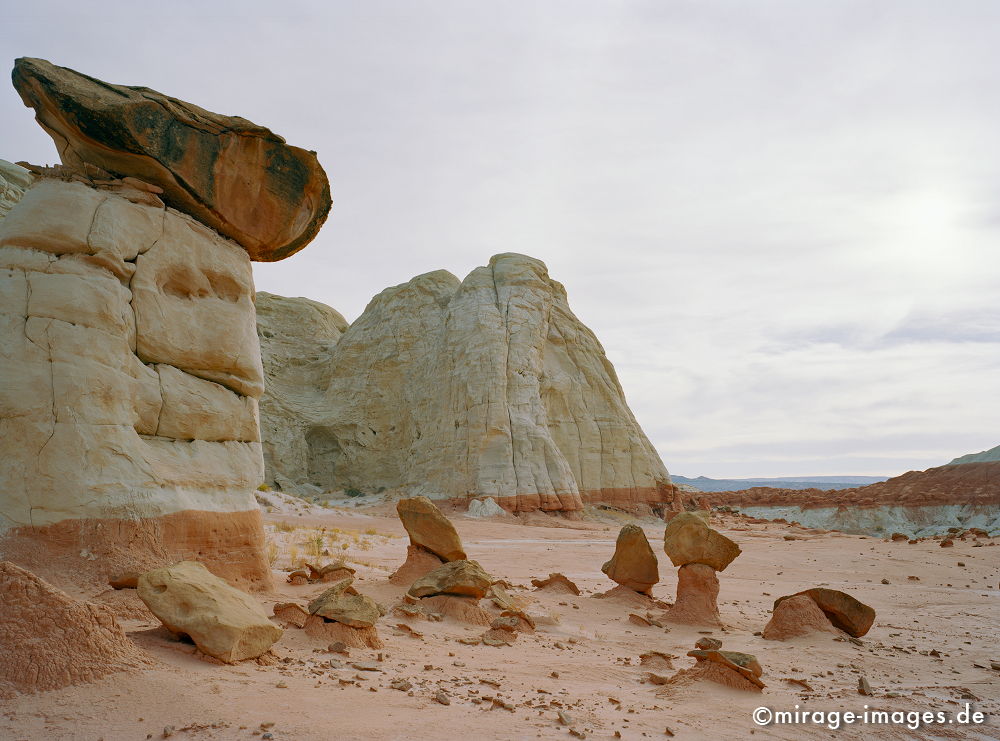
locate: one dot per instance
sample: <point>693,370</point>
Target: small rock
<point>442,697</point>
<point>709,644</point>
<point>863,687</point>
<point>565,718</point>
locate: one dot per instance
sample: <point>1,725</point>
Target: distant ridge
<point>825,483</point>
<point>987,456</point>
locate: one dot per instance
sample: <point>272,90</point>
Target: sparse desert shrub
<point>371,531</point>
<point>352,492</point>
<point>272,552</point>
<point>314,544</point>
<point>283,527</point>
<point>263,487</point>
<point>294,557</point>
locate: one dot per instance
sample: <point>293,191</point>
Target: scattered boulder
<point>429,529</point>
<point>462,578</point>
<point>899,537</point>
<point>341,603</point>
<point>235,176</point>
<point>796,616</point>
<point>697,596</point>
<point>291,613</point>
<point>51,640</point>
<point>298,577</point>
<point>688,539</point>
<point>844,611</point>
<point>221,620</point>
<point>556,583</point>
<point>487,507</point>
<point>634,564</point>
<point>707,643</point>
<point>339,633</point>
<point>745,665</point>
<point>331,572</point>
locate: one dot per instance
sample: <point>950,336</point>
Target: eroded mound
<point>51,640</point>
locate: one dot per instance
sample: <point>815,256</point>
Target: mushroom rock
<point>330,572</point>
<point>634,564</point>
<point>796,616</point>
<point>697,596</point>
<point>487,387</point>
<point>688,539</point>
<point>236,177</point>
<point>331,631</point>
<point>418,563</point>
<point>463,609</point>
<point>460,578</point>
<point>429,529</point>
<point>223,621</point>
<point>844,611</point>
<point>128,348</point>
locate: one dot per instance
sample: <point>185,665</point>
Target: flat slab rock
<point>239,178</point>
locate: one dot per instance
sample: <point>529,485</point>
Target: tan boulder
<point>341,603</point>
<point>221,620</point>
<point>845,612</point>
<point>697,596</point>
<point>462,578</point>
<point>796,616</point>
<point>291,613</point>
<point>634,564</point>
<point>331,572</point>
<point>688,539</point>
<point>235,176</point>
<point>418,563</point>
<point>745,665</point>
<point>429,529</point>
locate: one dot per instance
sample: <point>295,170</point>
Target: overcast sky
<point>782,219</point>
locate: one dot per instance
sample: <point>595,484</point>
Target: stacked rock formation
<point>341,613</point>
<point>128,348</point>
<point>634,564</point>
<point>487,387</point>
<point>433,539</point>
<point>818,610</point>
<point>700,552</point>
<point>453,589</point>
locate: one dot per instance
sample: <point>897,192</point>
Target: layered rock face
<point>129,363</point>
<point>128,406</point>
<point>488,387</point>
<point>14,180</point>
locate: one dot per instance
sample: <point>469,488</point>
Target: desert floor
<point>585,664</point>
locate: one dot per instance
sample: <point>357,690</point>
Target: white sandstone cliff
<point>488,387</point>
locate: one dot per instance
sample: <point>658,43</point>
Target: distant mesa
<point>239,178</point>
<point>961,495</point>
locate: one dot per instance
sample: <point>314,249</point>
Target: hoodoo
<point>129,358</point>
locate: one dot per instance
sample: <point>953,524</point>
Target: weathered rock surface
<point>238,178</point>
<point>634,564</point>
<point>14,180</point>
<point>746,665</point>
<point>51,640</point>
<point>342,604</point>
<point>697,596</point>
<point>331,572</point>
<point>487,387</point>
<point>796,616</point>
<point>130,367</point>
<point>221,620</point>
<point>429,529</point>
<point>488,507</point>
<point>297,337</point>
<point>844,611</point>
<point>461,578</point>
<point>688,539</point>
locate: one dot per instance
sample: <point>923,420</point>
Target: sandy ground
<point>587,664</point>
